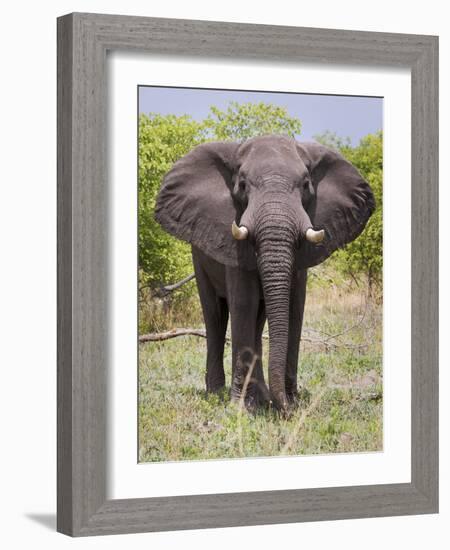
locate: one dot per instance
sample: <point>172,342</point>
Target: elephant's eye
<point>242,185</point>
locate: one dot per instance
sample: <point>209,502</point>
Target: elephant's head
<point>271,204</point>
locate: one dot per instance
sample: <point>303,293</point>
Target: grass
<point>340,377</point>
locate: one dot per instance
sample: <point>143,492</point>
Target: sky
<point>347,116</point>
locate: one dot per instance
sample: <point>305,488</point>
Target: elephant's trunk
<point>277,230</point>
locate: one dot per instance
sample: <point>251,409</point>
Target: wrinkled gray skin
<point>277,188</point>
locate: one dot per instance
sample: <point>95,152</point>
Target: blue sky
<point>347,116</point>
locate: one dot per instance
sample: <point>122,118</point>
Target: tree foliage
<point>365,254</point>
<point>162,140</point>
<point>246,120</point>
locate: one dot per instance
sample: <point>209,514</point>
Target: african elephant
<point>258,214</point>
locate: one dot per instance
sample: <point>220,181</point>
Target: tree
<point>332,140</point>
<point>364,254</point>
<point>162,141</point>
<point>245,120</point>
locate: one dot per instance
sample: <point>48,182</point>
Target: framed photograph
<point>247,274</point>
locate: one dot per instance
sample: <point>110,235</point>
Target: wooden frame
<point>83,40</point>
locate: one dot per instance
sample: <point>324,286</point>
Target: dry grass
<point>176,310</point>
<point>341,377</point>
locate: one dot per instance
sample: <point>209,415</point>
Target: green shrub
<point>364,256</point>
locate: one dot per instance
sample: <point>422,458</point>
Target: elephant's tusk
<point>314,236</point>
<point>239,233</point>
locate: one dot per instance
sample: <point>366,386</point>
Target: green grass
<point>340,377</point>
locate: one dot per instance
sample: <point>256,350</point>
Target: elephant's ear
<point>341,205</point>
<point>195,204</point>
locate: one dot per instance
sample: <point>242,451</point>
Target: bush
<point>364,256</point>
<point>162,140</point>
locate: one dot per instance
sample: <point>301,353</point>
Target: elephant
<point>258,214</point>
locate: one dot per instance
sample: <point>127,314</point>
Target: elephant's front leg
<point>215,314</point>
<point>244,304</point>
<point>297,306</point>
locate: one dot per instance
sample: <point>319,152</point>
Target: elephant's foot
<point>291,392</point>
<point>215,388</point>
<point>280,403</point>
<point>260,396</point>
<point>256,396</point>
<point>215,382</point>
<point>261,393</point>
<point>298,397</point>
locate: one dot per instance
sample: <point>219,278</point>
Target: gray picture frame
<point>83,240</point>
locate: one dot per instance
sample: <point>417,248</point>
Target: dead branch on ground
<point>174,333</point>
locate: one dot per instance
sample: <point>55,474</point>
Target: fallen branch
<point>159,336</point>
<point>174,333</point>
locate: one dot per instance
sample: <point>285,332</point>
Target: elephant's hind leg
<point>215,314</point>
<point>216,328</point>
